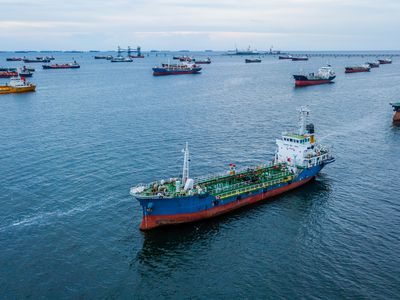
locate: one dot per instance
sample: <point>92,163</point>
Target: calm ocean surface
<point>71,151</point>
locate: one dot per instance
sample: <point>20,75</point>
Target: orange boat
<point>17,85</point>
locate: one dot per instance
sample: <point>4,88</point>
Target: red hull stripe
<point>310,82</point>
<point>149,222</point>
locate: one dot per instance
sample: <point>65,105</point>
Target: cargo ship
<point>14,59</point>
<point>36,60</point>
<point>17,85</point>
<point>357,69</point>
<point>385,61</point>
<point>254,60</point>
<point>324,75</point>
<point>175,69</point>
<point>73,65</point>
<point>299,58</point>
<point>299,158</point>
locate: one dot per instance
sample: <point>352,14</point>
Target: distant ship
<point>8,74</point>
<point>385,61</point>
<point>374,64</point>
<point>175,69</point>
<point>203,62</point>
<point>299,158</point>
<point>248,51</point>
<point>285,57</point>
<point>254,60</point>
<point>37,60</point>
<point>299,58</point>
<point>138,53</point>
<point>357,69</point>
<point>120,58</point>
<point>324,75</point>
<point>100,57</point>
<point>14,59</point>
<point>73,65</point>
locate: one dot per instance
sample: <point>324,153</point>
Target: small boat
<point>36,60</point>
<point>100,57</point>
<point>357,69</point>
<point>14,59</point>
<point>285,57</point>
<point>8,74</point>
<point>73,65</point>
<point>299,58</point>
<point>203,62</point>
<point>109,57</point>
<point>374,64</point>
<point>324,75</point>
<point>176,57</point>
<point>385,61</point>
<point>252,60</point>
<point>17,85</point>
<point>168,69</point>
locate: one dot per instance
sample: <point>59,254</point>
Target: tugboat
<point>168,69</point>
<point>396,109</point>
<point>203,62</point>
<point>324,75</point>
<point>374,64</point>
<point>299,58</point>
<point>299,158</point>
<point>252,60</point>
<point>24,72</point>
<point>73,65</point>
<point>357,69</point>
<point>14,59</point>
<point>120,58</point>
<point>385,61</point>
<point>17,85</point>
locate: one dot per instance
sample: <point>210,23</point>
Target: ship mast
<point>304,113</point>
<point>185,172</point>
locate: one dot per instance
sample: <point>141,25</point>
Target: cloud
<point>322,24</point>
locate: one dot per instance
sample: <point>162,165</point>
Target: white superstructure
<point>299,149</point>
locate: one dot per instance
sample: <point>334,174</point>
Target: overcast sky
<point>199,25</point>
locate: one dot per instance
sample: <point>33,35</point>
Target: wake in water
<point>48,217</point>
